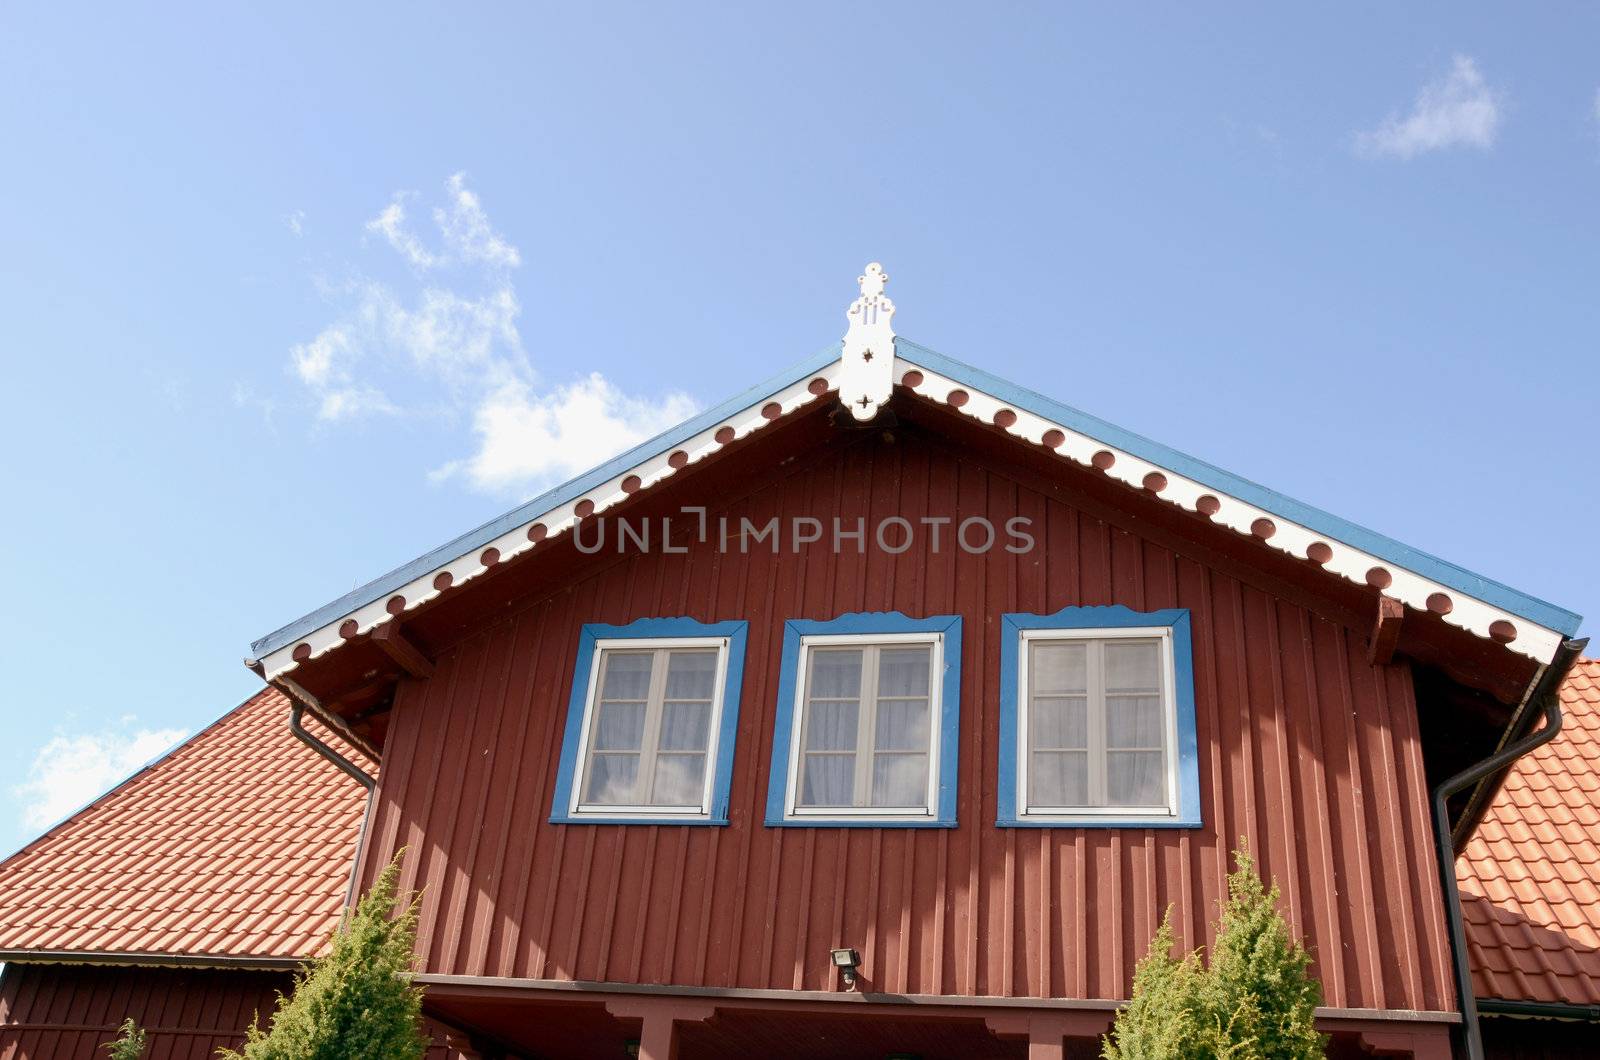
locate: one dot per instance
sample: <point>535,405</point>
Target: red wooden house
<point>879,711</point>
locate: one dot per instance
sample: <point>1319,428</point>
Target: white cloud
<point>70,771</point>
<point>453,342</point>
<point>327,365</point>
<point>391,224</point>
<point>296,220</point>
<point>1457,110</point>
<point>525,437</point>
<point>467,231</point>
<point>464,229</point>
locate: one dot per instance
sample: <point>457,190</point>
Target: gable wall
<point>1306,751</point>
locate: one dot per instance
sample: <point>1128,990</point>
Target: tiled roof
<point>239,843</point>
<point>1530,876</point>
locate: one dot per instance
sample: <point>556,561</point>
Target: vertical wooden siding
<point>1307,752</point>
<point>69,1012</point>
<point>62,1012</point>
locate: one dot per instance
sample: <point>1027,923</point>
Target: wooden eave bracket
<point>392,639</point>
<point>1386,631</point>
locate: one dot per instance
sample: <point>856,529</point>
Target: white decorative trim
<point>1347,561</point>
<point>869,327</point>
<point>556,521</point>
<point>867,377</point>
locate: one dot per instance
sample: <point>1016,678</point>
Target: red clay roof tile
<point>1530,876</point>
<point>239,844</point>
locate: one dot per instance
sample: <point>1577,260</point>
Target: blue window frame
<point>867,715</point>
<point>651,723</point>
<point>1097,724</point>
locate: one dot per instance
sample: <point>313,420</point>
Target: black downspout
<point>1546,697</point>
<point>296,708</point>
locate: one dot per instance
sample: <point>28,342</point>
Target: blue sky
<point>287,297</point>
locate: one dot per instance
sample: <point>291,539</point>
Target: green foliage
<point>1252,1001</point>
<point>130,1042</point>
<point>357,1001</point>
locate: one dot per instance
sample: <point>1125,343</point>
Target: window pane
<point>835,673</point>
<point>680,780</point>
<point>1133,665</point>
<point>1059,667</point>
<point>902,725</point>
<point>685,726</point>
<point>903,671</point>
<point>1060,721</point>
<point>627,674</point>
<point>619,727</point>
<point>1059,778</point>
<point>1135,778</point>
<point>691,674</point>
<point>1133,721</point>
<point>900,780</point>
<point>828,780</point>
<point>611,779</point>
<point>831,726</point>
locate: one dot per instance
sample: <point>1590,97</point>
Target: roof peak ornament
<point>867,371</point>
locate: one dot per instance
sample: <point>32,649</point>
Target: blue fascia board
<point>386,585</point>
<point>1446,573</point>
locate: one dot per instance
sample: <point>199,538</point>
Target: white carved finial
<point>867,375</point>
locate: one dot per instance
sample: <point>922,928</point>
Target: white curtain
<point>1135,729</point>
<point>832,725</point>
<point>680,765</point>
<point>897,722</point>
<point>1058,724</point>
<point>1096,711</point>
<point>680,714</point>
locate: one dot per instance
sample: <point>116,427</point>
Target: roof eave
<point>1522,623</point>
<point>612,472</point>
<point>137,959</point>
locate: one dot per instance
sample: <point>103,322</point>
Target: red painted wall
<point>69,1012</point>
<point>64,1012</point>
<point>1308,752</point>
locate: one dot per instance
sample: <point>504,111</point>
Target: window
<point>651,722</point>
<point>866,730</point>
<point>1097,719</point>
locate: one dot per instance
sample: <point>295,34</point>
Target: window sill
<point>820,821</point>
<point>1131,821</point>
<point>664,819</point>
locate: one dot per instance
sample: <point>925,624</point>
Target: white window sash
<point>655,708</point>
<point>1096,706</point>
<point>866,721</point>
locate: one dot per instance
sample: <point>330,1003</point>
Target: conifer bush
<point>129,1044</point>
<point>356,1002</point>
<point>1253,999</point>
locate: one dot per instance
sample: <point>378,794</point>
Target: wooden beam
<point>1386,631</point>
<point>1047,1032</point>
<point>392,639</point>
<point>658,1033</point>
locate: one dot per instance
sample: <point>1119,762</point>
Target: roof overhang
<point>153,960</point>
<point>1488,609</point>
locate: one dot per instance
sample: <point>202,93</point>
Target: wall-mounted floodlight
<point>847,961</point>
